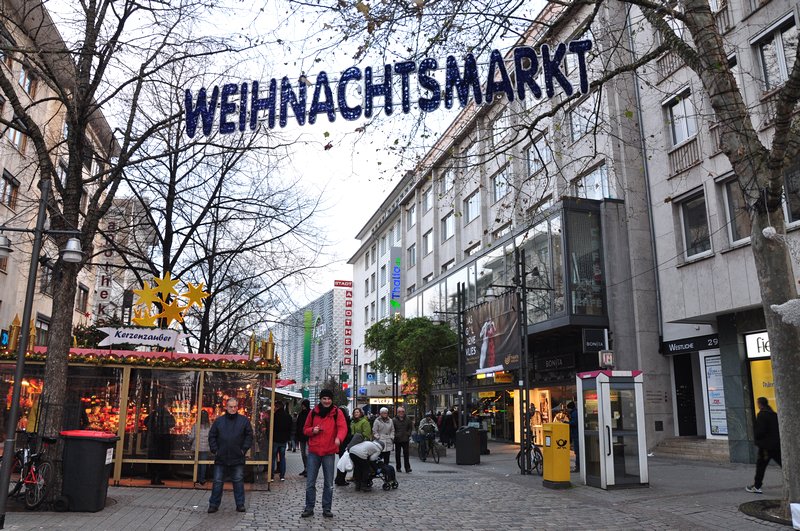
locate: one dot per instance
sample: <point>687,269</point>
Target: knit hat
<point>326,393</point>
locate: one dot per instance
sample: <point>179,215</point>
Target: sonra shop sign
<point>237,106</point>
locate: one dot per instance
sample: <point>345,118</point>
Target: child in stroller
<point>384,472</point>
<point>368,465</point>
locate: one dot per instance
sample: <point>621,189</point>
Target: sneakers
<point>754,489</point>
<point>283,479</point>
<point>306,513</point>
<point>327,513</point>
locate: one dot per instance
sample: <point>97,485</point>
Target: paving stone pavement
<point>492,495</point>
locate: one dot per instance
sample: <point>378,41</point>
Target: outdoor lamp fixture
<point>71,254</point>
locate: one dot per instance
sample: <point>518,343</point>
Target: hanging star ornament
<point>147,295</point>
<point>173,311</point>
<point>166,286</point>
<point>195,295</point>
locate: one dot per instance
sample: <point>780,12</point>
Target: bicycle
<point>31,471</point>
<point>427,444</point>
<point>535,459</point>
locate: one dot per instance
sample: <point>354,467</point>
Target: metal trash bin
<point>468,446</point>
<point>88,459</point>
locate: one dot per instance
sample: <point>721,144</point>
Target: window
<point>471,156</point>
<point>26,80</point>
<point>502,231</point>
<point>383,245</point>
<point>366,286</point>
<point>697,239</point>
<point>411,216</point>
<point>372,282</point>
<point>4,264</point>
<point>582,118</point>
<point>427,243</point>
<point>427,199</point>
<point>366,314</point>
<point>594,185</point>
<point>777,52</point>
<point>366,260</point>
<point>397,232</point>
<point>6,41</point>
<point>383,307</point>
<point>539,155</point>
<point>10,190</point>
<point>15,134</point>
<point>46,279</point>
<point>427,279</point>
<point>82,299</point>
<point>412,255</point>
<point>500,185</point>
<point>447,181</point>
<point>735,205</point>
<point>448,226</point>
<point>383,275</point>
<point>682,118</point>
<point>448,265</point>
<point>372,312</point>
<point>500,127</point>
<point>472,250</point>
<point>472,206</point>
<point>42,329</point>
<point>411,289</point>
<point>791,187</point>
<point>374,253</point>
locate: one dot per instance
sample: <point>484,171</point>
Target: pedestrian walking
<point>300,436</point>
<point>383,430</point>
<point>768,439</point>
<point>325,428</point>
<point>402,433</point>
<point>230,437</point>
<point>573,434</point>
<point>363,455</point>
<point>281,433</point>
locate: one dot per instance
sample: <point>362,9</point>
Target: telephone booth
<point>613,449</point>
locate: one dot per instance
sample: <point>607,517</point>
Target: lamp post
<point>71,253</point>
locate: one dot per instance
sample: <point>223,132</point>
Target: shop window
<point>694,219</point>
<point>10,190</point>
<point>736,208</point>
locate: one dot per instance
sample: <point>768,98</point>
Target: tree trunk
<point>777,283</point>
<point>51,404</point>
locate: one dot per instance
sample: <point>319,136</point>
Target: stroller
<point>386,473</point>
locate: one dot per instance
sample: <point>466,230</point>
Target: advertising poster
<point>492,337</point>
<point>716,396</point>
<point>763,384</point>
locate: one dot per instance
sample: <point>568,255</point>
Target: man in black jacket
<point>402,433</point>
<point>281,433</point>
<point>301,437</point>
<point>768,439</point>
<point>229,439</point>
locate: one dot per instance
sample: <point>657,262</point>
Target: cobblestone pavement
<point>492,495</point>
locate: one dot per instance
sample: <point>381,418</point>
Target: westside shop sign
<point>242,105</point>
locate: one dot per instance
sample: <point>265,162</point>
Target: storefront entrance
<point>684,395</point>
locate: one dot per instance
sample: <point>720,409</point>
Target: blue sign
<point>372,377</point>
<point>243,105</point>
<point>362,391</point>
<point>3,338</point>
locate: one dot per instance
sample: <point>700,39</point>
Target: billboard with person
<point>492,336</point>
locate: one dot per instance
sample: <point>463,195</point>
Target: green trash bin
<point>88,459</point>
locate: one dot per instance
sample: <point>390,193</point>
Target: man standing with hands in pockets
<point>325,428</point>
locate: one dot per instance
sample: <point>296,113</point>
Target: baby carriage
<point>385,472</point>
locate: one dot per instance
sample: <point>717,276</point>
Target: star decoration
<point>143,318</point>
<point>166,286</point>
<point>173,311</point>
<point>147,295</point>
<point>195,295</point>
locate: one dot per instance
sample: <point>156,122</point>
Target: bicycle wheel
<point>422,447</point>
<point>36,492</point>
<point>435,453</point>
<point>538,461</point>
<point>15,485</point>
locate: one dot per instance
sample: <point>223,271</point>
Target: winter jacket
<point>301,423</point>
<point>229,439</point>
<point>383,430</point>
<point>402,429</point>
<point>332,426</point>
<point>282,430</point>
<point>361,426</point>
<point>766,433</point>
<point>369,450</point>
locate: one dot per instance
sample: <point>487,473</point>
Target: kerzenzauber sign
<point>139,336</point>
<point>241,104</point>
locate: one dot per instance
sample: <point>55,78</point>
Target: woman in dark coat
<point>448,429</point>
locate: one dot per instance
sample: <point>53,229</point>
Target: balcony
<point>684,156</point>
<point>716,138</point>
<point>667,64</point>
<point>723,18</point>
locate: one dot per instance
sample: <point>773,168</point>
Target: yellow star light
<point>166,286</point>
<point>147,295</point>
<point>195,295</point>
<point>172,312</point>
<point>143,318</point>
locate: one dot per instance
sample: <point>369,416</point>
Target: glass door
<point>624,436</point>
<point>590,446</point>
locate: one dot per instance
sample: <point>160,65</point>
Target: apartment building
<point>563,181</point>
<point>19,192</point>
<point>712,321</point>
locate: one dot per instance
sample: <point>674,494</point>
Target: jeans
<point>401,448</point>
<point>764,457</point>
<point>304,454</point>
<point>237,477</point>
<point>314,462</point>
<point>279,449</point>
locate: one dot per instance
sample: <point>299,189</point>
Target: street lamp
<point>72,254</point>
